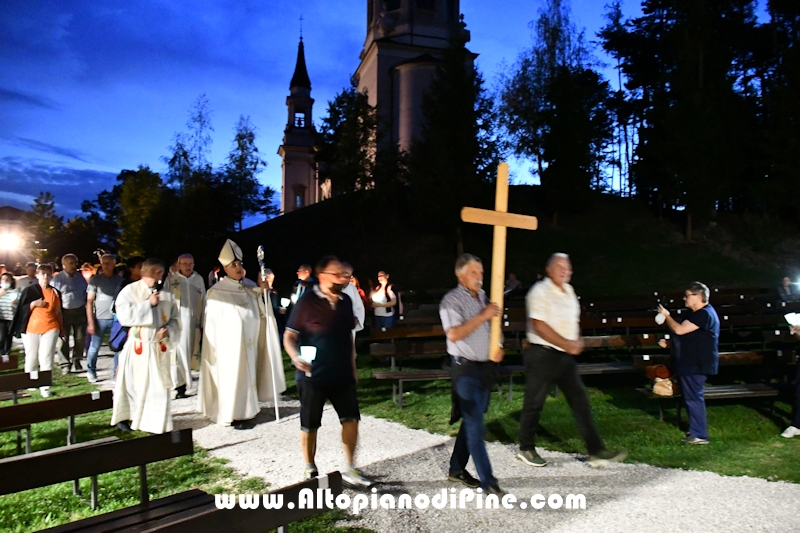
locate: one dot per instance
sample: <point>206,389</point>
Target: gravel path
<point>620,498</point>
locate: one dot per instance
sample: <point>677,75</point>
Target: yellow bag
<point>662,387</point>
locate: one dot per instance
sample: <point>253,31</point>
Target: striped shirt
<point>557,308</point>
<point>8,304</point>
<point>457,307</point>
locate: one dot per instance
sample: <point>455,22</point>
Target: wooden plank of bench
<point>54,409</point>
<point>427,375</point>
<point>715,392</point>
<point>586,369</point>
<point>620,341</point>
<point>22,380</point>
<point>725,359</point>
<point>237,520</point>
<point>128,517</point>
<point>12,363</point>
<point>76,461</point>
<point>410,332</point>
<point>408,349</point>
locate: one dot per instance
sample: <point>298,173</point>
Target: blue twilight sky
<point>88,89</point>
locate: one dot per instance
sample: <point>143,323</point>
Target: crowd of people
<point>234,332</point>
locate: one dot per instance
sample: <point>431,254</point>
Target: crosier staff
<point>267,309</point>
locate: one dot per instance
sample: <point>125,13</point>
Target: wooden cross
<point>501,219</point>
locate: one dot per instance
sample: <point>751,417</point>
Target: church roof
<point>300,78</point>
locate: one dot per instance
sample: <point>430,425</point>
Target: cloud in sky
<point>21,181</point>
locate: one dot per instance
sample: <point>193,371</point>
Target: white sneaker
<point>91,377</point>
<point>356,479</point>
<point>790,432</point>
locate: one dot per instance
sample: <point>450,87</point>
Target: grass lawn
<point>745,440</point>
<point>745,437</point>
<point>36,509</point>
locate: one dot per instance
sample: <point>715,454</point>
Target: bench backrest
<point>54,409</point>
<point>86,459</point>
<point>9,362</point>
<point>22,380</point>
<point>211,519</point>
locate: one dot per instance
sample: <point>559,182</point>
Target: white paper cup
<point>308,354</point>
<point>660,319</point>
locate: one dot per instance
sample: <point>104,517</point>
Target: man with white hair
<point>189,291</point>
<point>555,335</point>
<point>72,286</point>
<point>466,313</point>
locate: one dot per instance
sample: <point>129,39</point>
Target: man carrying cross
<point>465,314</point>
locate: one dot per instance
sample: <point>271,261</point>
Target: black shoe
<point>465,478</point>
<point>495,489</point>
<point>125,425</point>
<point>243,424</point>
<point>180,392</point>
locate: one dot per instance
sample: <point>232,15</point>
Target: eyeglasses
<point>336,274</point>
<point>686,295</point>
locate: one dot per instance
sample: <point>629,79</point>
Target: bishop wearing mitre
<point>142,389</point>
<point>240,349</point>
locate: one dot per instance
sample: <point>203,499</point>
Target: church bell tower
<point>299,186</point>
<point>404,43</point>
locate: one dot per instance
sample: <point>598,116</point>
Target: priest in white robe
<point>240,348</point>
<point>142,390</point>
<point>189,291</point>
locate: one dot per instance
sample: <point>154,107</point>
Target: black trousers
<point>545,367</point>
<point>5,337</point>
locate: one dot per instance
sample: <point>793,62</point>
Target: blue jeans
<point>103,326</point>
<point>473,399</point>
<point>384,322</point>
<point>693,397</point>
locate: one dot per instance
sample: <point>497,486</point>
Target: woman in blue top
<point>9,297</point>
<point>695,355</point>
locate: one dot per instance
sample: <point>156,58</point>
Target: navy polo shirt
<point>318,324</point>
<point>697,352</point>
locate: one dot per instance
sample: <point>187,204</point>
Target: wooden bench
<point>9,362</point>
<point>194,511</point>
<point>434,374</point>
<point>89,459</point>
<point>717,392</point>
<point>14,383</point>
<point>22,416</point>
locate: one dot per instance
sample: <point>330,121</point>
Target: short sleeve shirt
<point>557,308</point>
<point>44,319</point>
<point>105,289</point>
<point>72,289</point>
<point>328,329</point>
<point>383,295</point>
<point>697,352</point>
<point>457,307</point>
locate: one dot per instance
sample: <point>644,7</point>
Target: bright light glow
<point>10,241</point>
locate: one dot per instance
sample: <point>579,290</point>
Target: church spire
<point>300,78</point>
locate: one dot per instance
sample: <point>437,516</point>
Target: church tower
<point>299,187</point>
<point>405,40</point>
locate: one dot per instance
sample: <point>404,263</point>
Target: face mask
<point>336,288</point>
<point>5,285</point>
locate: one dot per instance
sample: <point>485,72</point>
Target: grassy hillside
<point>618,246</point>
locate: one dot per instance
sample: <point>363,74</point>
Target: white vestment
<point>142,390</point>
<point>237,357</point>
<point>189,294</point>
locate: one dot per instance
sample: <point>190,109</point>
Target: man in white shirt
<point>358,304</point>
<point>555,335</point>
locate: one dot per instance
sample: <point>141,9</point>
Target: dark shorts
<point>312,401</point>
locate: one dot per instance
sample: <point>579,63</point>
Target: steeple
<point>300,187</point>
<point>300,78</point>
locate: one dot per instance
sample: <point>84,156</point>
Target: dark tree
<point>239,175</point>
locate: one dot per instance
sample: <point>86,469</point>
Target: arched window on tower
<point>300,119</point>
<point>299,196</point>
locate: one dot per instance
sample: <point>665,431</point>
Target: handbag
<point>663,387</point>
<point>118,335</point>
